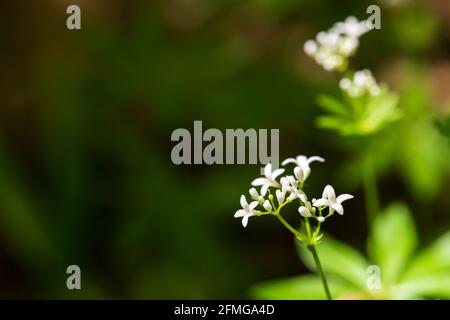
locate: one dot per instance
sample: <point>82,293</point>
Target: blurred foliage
<point>85,123</point>
<point>363,115</point>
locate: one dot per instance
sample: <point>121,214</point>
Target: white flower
<point>267,205</point>
<point>303,163</point>
<point>247,211</point>
<point>307,210</point>
<point>269,180</point>
<point>362,82</point>
<point>280,196</point>
<point>255,196</point>
<point>294,189</point>
<point>329,200</point>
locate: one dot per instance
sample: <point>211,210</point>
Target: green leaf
<point>339,260</point>
<point>332,105</point>
<point>436,285</point>
<point>392,241</point>
<point>381,110</point>
<point>443,126</point>
<point>307,287</point>
<point>434,258</point>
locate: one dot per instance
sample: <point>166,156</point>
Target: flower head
<point>351,27</point>
<point>362,82</point>
<point>247,211</point>
<point>332,48</point>
<point>330,200</point>
<point>269,180</point>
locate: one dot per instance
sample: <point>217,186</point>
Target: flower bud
<point>254,194</point>
<point>267,205</point>
<point>304,212</point>
<point>298,172</point>
<point>280,196</point>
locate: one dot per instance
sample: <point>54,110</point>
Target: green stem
<point>320,271</point>
<point>289,227</point>
<point>370,189</point>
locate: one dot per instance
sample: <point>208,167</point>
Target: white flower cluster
<point>288,189</point>
<point>332,48</point>
<point>362,82</point>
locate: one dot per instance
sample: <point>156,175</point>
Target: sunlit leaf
<point>433,285</point>
<point>298,288</point>
<point>338,259</point>
<point>434,258</point>
<point>332,105</point>
<point>392,241</point>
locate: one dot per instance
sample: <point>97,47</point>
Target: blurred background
<point>86,117</point>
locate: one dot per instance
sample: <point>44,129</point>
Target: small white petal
<point>280,196</point>
<point>328,193</point>
<point>243,202</point>
<point>276,173</point>
<point>253,205</point>
<point>292,196</point>
<point>245,220</point>
<point>321,219</point>
<point>303,197</point>
<point>259,182</point>
<point>268,170</point>
<point>315,158</point>
<point>298,172</point>
<point>304,212</point>
<point>338,207</point>
<point>344,197</point>
<point>253,193</point>
<point>288,160</point>
<point>264,189</point>
<point>320,203</point>
<point>239,213</point>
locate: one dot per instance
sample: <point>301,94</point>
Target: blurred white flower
<point>362,82</point>
<point>247,211</point>
<point>269,180</point>
<point>329,200</point>
<point>332,48</point>
<point>351,27</point>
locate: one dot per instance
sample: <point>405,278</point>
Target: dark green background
<point>86,118</point>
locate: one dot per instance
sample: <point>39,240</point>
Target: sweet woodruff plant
<point>276,194</point>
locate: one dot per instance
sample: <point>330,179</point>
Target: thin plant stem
<point>370,188</point>
<point>313,250</point>
<point>289,227</point>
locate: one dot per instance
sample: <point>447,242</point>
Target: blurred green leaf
<point>298,288</point>
<point>433,285</point>
<point>360,116</point>
<point>392,241</point>
<point>332,105</point>
<point>443,125</point>
<point>432,259</point>
<point>338,259</point>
